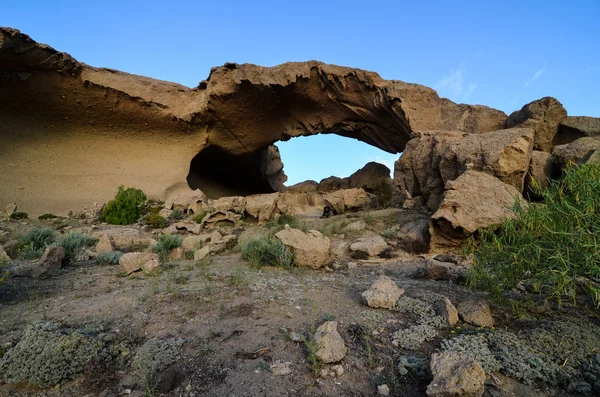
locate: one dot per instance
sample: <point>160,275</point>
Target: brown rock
<point>445,309</point>
<point>541,170</point>
<point>105,244</point>
<point>370,245</point>
<point>579,151</point>
<point>3,256</point>
<point>262,206</point>
<point>332,184</point>
<point>477,313</point>
<point>347,200</point>
<point>330,345</point>
<point>303,204</point>
<point>575,127</point>
<point>9,211</point>
<point>192,243</point>
<point>124,238</point>
<point>543,116</point>
<point>308,186</point>
<point>436,270</point>
<point>187,201</point>
<point>233,204</point>
<point>368,176</point>
<point>455,375</point>
<point>49,263</point>
<point>189,226</point>
<point>311,249</point>
<point>384,293</point>
<point>134,261</point>
<point>413,232</point>
<point>176,253</point>
<point>201,253</point>
<point>215,217</point>
<point>474,200</point>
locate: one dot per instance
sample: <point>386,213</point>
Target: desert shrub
<point>18,215</point>
<point>155,220</point>
<point>176,215</point>
<point>165,244</point>
<point>44,217</point>
<point>73,243</point>
<point>109,258</point>
<point>552,248</point>
<point>390,233</point>
<point>198,217</point>
<point>382,189</point>
<point>267,251</point>
<point>126,208</point>
<point>288,219</point>
<point>35,241</point>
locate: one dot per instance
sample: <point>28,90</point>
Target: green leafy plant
<point>551,248</point>
<point>35,242</point>
<point>165,244</point>
<point>126,208</point>
<point>155,220</point>
<point>267,251</point>
<point>198,217</point>
<point>18,215</point>
<point>389,233</point>
<point>44,217</point>
<point>109,258</point>
<point>176,215</point>
<point>382,189</point>
<point>74,242</point>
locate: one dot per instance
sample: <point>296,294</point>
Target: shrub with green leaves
<point>155,220</point>
<point>44,217</point>
<point>267,251</point>
<point>175,215</point>
<point>165,244</point>
<point>382,189</point>
<point>126,208</point>
<point>109,258</point>
<point>552,248</point>
<point>18,215</point>
<point>198,218</point>
<point>35,242</point>
<point>73,243</point>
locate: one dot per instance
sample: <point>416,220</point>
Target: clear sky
<point>502,54</point>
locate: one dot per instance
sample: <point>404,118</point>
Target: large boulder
<point>434,158</point>
<point>413,232</point>
<point>369,245</point>
<point>192,201</point>
<point>332,184</point>
<point>477,313</point>
<point>369,175</point>
<point>544,117</point>
<point>234,204</point>
<point>124,238</point>
<point>135,261</point>
<point>262,206</point>
<point>474,200</point>
<point>384,293</point>
<point>305,204</point>
<point>455,375</point>
<point>579,151</point>
<point>49,263</point>
<point>574,127</point>
<point>541,170</point>
<point>347,200</point>
<point>311,249</point>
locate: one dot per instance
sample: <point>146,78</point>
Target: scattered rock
<point>262,206</point>
<point>311,249</point>
<point>9,211</point>
<point>187,201</point>
<point>413,232</point>
<point>176,253</point>
<point>574,127</point>
<point>135,261</point>
<point>212,218</point>
<point>383,293</point>
<point>201,253</point>
<point>579,151</point>
<point>383,390</point>
<point>370,245</point>
<point>233,204</point>
<point>543,116</point>
<point>216,237</point>
<point>477,313</point>
<point>436,270</point>
<point>330,345</point>
<point>190,226</point>
<point>347,200</point>
<point>192,243</point>
<point>338,370</point>
<point>455,375</point>
<point>304,204</point>
<point>352,265</point>
<point>281,368</point>
<point>445,309</point>
<point>49,263</point>
<point>105,244</point>
<point>125,238</point>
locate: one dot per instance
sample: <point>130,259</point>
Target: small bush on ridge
<point>35,242</point>
<point>109,258</point>
<point>73,243</point>
<point>126,208</point>
<point>267,251</point>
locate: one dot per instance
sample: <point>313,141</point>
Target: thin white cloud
<point>536,76</point>
<point>455,84</point>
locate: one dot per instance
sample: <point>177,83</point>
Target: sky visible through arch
<point>500,54</point>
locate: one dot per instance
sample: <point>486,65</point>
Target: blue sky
<point>501,54</point>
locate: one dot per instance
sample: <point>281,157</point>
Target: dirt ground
<point>237,324</point>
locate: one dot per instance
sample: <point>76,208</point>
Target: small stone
<point>455,375</point>
<point>444,308</point>
<point>201,253</point>
<point>477,313</point>
<point>324,373</point>
<point>297,337</point>
<point>352,265</point>
<point>216,237</point>
<point>49,263</point>
<point>281,368</point>
<point>135,261</point>
<point>436,270</point>
<point>383,293</point>
<point>3,255</point>
<point>176,253</point>
<point>330,345</point>
<point>338,369</point>
<point>105,244</point>
<point>370,245</point>
<point>383,390</point>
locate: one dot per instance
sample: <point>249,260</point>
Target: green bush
<point>198,218</point>
<point>165,244</point>
<point>382,189</point>
<point>551,248</point>
<point>44,217</point>
<point>35,242</point>
<point>155,220</point>
<point>109,258</point>
<point>176,215</point>
<point>73,243</point>
<point>126,208</point>
<point>18,215</point>
<point>267,251</point>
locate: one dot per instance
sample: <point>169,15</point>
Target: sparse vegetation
<point>198,217</point>
<point>155,220</point>
<point>382,189</point>
<point>389,233</point>
<point>44,217</point>
<point>551,248</point>
<point>73,243</point>
<point>35,242</point>
<point>19,215</point>
<point>267,251</point>
<point>165,244</point>
<point>109,258</point>
<point>176,215</point>
<point>126,208</point>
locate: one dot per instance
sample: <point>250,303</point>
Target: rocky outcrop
<point>218,136</point>
<point>474,200</point>
<point>574,127</point>
<point>435,158</point>
<point>303,187</point>
<point>304,204</point>
<point>541,170</point>
<point>347,200</point>
<point>366,178</point>
<point>577,152</point>
<point>332,184</point>
<point>544,117</point>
